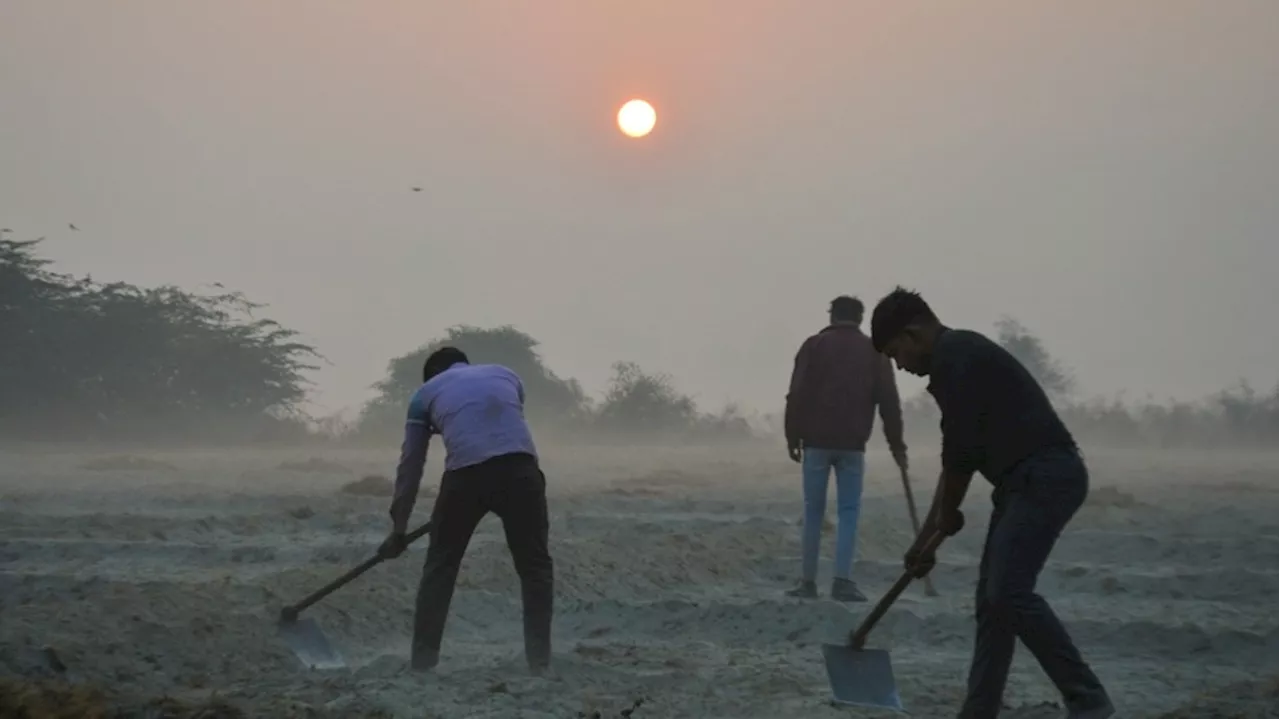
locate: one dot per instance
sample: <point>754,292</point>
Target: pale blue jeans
<point>816,469</point>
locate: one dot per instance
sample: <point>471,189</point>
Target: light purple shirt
<point>479,412</point>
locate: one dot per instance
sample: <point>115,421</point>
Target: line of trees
<point>86,360</point>
<point>83,360</point>
<point>1236,415</point>
<point>635,401</point>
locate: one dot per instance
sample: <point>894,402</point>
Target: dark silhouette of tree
<point>635,401</point>
<point>638,401</point>
<point>547,396</point>
<point>1029,350</point>
<point>83,359</point>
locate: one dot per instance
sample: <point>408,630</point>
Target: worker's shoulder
<point>482,378</point>
<point>438,383</point>
<point>838,339</point>
<point>494,370</point>
<point>968,349</point>
<point>465,379</point>
<point>810,341</point>
<point>420,403</point>
<point>469,375</point>
<point>956,341</point>
<point>422,393</point>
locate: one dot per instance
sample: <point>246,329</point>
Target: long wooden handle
<point>292,611</point>
<point>915,525</point>
<point>858,637</point>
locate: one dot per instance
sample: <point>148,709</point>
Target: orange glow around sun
<point>636,118</point>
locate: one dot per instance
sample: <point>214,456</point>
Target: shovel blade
<point>307,640</point>
<point>861,677</point>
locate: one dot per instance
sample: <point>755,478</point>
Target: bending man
<point>490,465</point>
<point>996,420</point>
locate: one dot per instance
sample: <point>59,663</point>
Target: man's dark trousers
<point>1033,503</point>
<point>513,487</point>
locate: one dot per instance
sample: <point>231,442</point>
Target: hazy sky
<point>1101,170</point>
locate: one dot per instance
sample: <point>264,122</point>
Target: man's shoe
<point>844,590</point>
<point>804,589</point>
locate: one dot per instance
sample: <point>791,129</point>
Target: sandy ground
<point>166,580</point>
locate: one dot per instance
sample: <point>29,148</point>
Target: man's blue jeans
<point>817,465</point>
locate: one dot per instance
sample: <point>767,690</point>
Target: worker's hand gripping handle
<point>290,613</point>
<point>858,637</point>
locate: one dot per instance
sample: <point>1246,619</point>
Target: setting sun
<point>636,118</point>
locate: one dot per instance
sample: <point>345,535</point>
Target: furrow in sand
<point>242,559</point>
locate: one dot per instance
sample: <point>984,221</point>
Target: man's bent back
<point>479,411</point>
<point>491,465</point>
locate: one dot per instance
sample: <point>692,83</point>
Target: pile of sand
<point>314,464</point>
<point>370,485</point>
<point>1106,496</point>
<point>1253,699</point>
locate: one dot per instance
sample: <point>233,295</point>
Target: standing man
<point>490,466</point>
<point>838,382</point>
<point>996,420</point>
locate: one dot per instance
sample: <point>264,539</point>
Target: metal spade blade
<point>864,677</point>
<point>861,677</point>
<point>305,636</point>
<point>307,640</point>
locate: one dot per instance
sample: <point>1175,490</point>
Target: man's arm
<point>413,458</point>
<point>947,498</point>
<point>889,403</point>
<point>796,396</point>
<point>961,399</point>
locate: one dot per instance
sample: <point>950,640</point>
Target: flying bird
<point>416,189</point>
<point>72,225</point>
<point>4,230</point>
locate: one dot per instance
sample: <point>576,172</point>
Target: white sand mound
<point>370,485</point>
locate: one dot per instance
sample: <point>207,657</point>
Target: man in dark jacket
<point>838,382</point>
<point>997,421</point>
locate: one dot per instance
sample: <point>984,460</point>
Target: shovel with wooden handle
<point>304,636</point>
<point>929,591</point>
<point>864,677</point>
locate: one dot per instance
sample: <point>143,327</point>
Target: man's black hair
<point>894,312</point>
<point>846,308</point>
<point>441,360</point>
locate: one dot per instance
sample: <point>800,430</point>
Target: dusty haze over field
<point>1103,171</point>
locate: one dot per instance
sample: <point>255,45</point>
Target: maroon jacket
<point>838,382</point>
